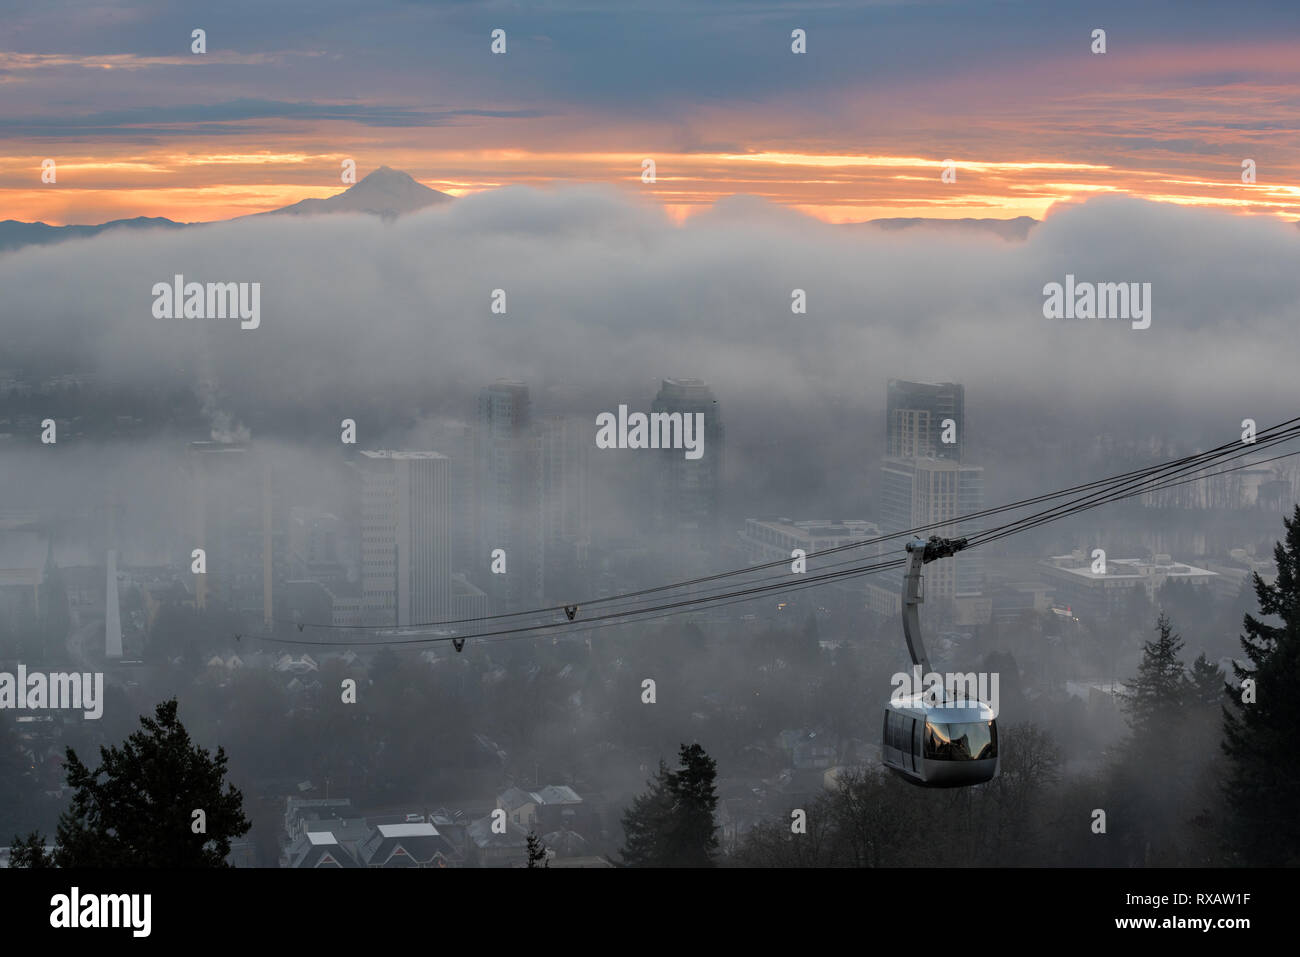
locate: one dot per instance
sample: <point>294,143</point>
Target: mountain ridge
<point>389,193</point>
<point>1016,228</point>
<point>384,192</point>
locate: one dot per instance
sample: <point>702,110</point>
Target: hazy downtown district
<point>433,421</point>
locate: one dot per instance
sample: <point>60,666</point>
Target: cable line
<point>1149,480</point>
<point>1264,439</point>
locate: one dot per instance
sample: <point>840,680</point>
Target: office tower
<point>688,491</point>
<point>315,547</point>
<point>763,541</point>
<point>112,611</point>
<point>508,497</point>
<point>236,518</point>
<point>921,492</point>
<point>914,416</point>
<point>457,443</point>
<point>405,538</point>
<point>566,530</point>
<point>925,484</point>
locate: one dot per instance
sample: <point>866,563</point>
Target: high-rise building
<point>914,416</point>
<point>457,443</point>
<point>112,610</point>
<point>405,538</point>
<point>917,492</point>
<point>924,482</point>
<point>566,521</point>
<point>922,492</point>
<point>315,547</point>
<point>508,497</point>
<point>234,516</point>
<point>688,491</point>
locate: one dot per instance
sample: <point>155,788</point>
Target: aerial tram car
<point>948,743</point>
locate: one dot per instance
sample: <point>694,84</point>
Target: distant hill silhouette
<point>1017,228</point>
<point>14,234</point>
<point>385,192</point>
<point>389,193</point>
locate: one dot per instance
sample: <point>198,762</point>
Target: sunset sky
<point>855,129</point>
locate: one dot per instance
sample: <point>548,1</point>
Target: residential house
<point>407,845</point>
<point>317,849</point>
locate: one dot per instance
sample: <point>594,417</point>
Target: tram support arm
<point>920,553</point>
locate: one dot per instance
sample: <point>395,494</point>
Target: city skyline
<point>649,435</point>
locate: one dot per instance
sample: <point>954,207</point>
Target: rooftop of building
<point>403,845</point>
<point>927,384</point>
<point>211,446</point>
<point>408,830</point>
<point>1126,568</point>
<point>820,528</point>
<point>514,797</point>
<point>513,387</point>
<point>686,389</point>
<point>559,794</point>
<point>931,463</point>
<point>482,834</point>
<point>397,454</point>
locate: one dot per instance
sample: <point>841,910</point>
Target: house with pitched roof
<point>520,806</point>
<point>407,845</point>
<point>317,849</point>
<point>493,849</point>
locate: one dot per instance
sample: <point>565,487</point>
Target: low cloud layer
<point>605,296</point>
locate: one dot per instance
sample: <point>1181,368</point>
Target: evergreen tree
<point>20,790</point>
<point>1161,689</point>
<point>29,852</point>
<point>1151,775</point>
<point>536,851</point>
<point>1263,786</point>
<point>645,821</point>
<point>137,808</point>
<point>1203,837</point>
<point>694,840</point>
<point>672,824</point>
<point>1206,682</point>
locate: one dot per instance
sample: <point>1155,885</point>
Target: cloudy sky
<point>856,128</point>
<point>389,323</point>
<point>605,294</point>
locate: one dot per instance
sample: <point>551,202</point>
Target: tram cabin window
<point>965,741</point>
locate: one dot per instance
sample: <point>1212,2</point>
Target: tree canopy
<point>1262,716</point>
<point>672,824</point>
<point>156,801</point>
